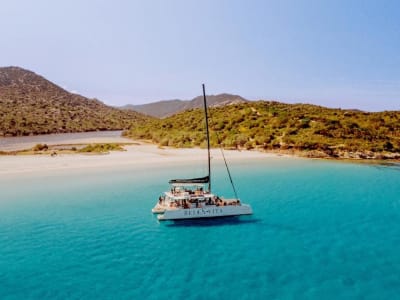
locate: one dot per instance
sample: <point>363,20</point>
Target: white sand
<point>135,155</point>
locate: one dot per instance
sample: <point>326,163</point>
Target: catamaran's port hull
<point>159,209</point>
<point>207,212</point>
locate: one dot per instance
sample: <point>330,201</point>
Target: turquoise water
<point>321,230</point>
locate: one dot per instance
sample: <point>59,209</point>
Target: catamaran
<point>192,198</point>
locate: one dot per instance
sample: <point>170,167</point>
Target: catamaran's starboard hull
<point>158,209</point>
<point>206,212</point>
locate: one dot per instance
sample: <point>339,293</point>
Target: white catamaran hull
<point>159,209</point>
<point>206,212</point>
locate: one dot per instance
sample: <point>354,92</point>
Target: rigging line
<point>223,156</point>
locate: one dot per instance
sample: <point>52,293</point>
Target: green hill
<point>312,130</point>
<point>30,104</point>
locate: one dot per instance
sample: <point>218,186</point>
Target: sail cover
<point>205,179</point>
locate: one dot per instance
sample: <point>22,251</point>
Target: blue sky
<point>332,53</point>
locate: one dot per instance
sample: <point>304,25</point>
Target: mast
<point>208,139</point>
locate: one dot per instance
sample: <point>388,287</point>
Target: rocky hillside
<point>30,104</point>
<point>266,125</point>
<point>166,108</point>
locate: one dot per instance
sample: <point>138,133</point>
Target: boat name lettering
<point>203,212</point>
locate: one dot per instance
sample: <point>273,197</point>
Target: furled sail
<point>205,179</point>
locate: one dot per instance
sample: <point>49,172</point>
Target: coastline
<point>359,156</point>
<point>143,153</point>
<point>139,154</point>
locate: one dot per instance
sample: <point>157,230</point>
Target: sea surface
<point>320,230</point>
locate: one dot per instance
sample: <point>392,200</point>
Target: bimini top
<point>205,179</point>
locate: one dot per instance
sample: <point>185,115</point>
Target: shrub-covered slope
<point>30,104</point>
<point>276,126</point>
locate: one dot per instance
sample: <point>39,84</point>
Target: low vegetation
<point>67,149</point>
<point>264,125</point>
<point>40,147</point>
<point>101,148</point>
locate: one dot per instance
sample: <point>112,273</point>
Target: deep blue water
<point>320,230</point>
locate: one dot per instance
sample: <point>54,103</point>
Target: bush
<point>40,147</point>
<point>388,146</point>
<point>101,148</point>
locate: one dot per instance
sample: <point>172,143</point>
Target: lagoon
<point>27,142</point>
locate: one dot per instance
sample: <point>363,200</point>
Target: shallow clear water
<point>321,230</point>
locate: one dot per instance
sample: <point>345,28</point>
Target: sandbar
<point>140,154</point>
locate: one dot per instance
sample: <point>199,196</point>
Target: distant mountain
<point>30,104</point>
<point>166,108</point>
<point>158,109</point>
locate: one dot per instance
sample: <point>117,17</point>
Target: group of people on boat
<point>220,202</point>
<point>190,203</point>
<point>180,192</point>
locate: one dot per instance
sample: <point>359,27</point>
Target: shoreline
<point>68,143</point>
<point>59,157</point>
<point>357,156</point>
<point>139,155</point>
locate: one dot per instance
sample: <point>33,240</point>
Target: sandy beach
<point>140,154</point>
